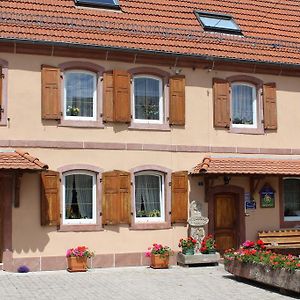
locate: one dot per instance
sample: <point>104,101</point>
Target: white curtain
<point>147,192</point>
<point>242,104</point>
<point>84,189</point>
<point>79,93</point>
<point>146,98</point>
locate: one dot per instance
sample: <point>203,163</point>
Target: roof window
<point>218,22</point>
<point>99,3</point>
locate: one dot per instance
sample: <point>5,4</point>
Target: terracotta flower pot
<point>77,264</point>
<point>159,261</point>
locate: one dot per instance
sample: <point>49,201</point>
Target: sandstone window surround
<point>289,202</point>
<point>59,99</point>
<point>3,91</point>
<point>244,104</point>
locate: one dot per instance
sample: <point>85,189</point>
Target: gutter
<point>176,55</point>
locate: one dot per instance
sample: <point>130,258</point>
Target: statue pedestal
<point>197,259</point>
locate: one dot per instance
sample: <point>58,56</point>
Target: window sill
<point>71,123</point>
<point>156,127</point>
<point>258,131</point>
<point>79,228</point>
<point>150,226</point>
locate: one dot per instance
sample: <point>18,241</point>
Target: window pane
<point>148,196</point>
<point>146,98</point>
<point>291,192</point>
<point>78,196</point>
<point>242,104</point>
<point>219,23</point>
<point>79,94</point>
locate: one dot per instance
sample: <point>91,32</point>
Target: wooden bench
<point>282,241</point>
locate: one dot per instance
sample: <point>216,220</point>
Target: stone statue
<point>196,224</point>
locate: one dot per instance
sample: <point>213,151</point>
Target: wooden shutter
<point>270,110</point>
<point>1,92</point>
<point>51,93</point>
<point>50,198</point>
<point>116,198</point>
<point>179,211</point>
<point>121,101</point>
<point>177,100</point>
<point>221,103</point>
<point>108,97</point>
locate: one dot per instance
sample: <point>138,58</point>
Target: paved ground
<point>133,283</point>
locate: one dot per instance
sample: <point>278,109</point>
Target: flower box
<point>280,278</point>
<point>77,264</point>
<point>159,261</point>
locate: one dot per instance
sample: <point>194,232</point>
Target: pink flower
<point>148,254</point>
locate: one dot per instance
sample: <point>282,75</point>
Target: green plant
<point>187,243</point>
<point>159,249</point>
<point>256,253</point>
<point>79,251</point>
<point>208,244</point>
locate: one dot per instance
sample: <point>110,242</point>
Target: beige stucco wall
<point>24,111</point>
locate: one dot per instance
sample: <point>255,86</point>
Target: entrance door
<point>226,221</point>
<point>1,217</point>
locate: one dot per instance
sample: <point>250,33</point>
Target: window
<point>99,3</point>
<point>243,105</point>
<point>149,197</point>
<point>291,199</point>
<point>147,99</point>
<point>79,197</point>
<point>80,96</point>
<point>217,22</point>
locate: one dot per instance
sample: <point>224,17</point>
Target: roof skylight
<point>217,22</point>
<point>99,3</point>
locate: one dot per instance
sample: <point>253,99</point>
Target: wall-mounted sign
<point>267,196</point>
<point>249,204</point>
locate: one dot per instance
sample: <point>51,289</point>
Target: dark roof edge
<point>163,53</point>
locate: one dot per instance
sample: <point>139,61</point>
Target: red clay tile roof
<point>271,27</point>
<point>247,166</point>
<point>18,160</point>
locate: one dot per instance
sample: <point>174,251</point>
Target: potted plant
<point>208,245</point>
<point>252,261</point>
<point>77,258</point>
<point>188,245</point>
<point>159,256</point>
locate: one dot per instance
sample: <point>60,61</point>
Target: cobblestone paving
<point>133,283</point>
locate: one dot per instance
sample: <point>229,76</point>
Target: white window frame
<point>254,105</point>
<point>289,218</point>
<point>161,101</point>
<point>162,217</point>
<point>79,118</point>
<point>94,209</point>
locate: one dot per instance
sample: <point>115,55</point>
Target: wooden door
<point>225,221</point>
<point>2,186</point>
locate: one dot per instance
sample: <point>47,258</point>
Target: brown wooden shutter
<point>121,97</point>
<point>179,211</point>
<point>221,103</point>
<point>116,197</point>
<point>1,92</point>
<point>270,110</point>
<point>51,93</point>
<point>108,97</point>
<point>177,100</point>
<point>50,198</point>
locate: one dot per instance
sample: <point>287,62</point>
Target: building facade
<point>132,124</point>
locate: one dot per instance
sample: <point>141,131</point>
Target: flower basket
<point>159,261</point>
<point>188,245</point>
<point>77,264</point>
<point>159,255</point>
<point>77,258</point>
